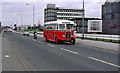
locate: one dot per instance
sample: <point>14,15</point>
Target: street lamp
<point>21,18</point>
<point>33,13</point>
<point>83,22</point>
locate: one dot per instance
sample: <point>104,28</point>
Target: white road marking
<point>40,42</point>
<point>51,45</point>
<point>33,39</point>
<point>104,62</point>
<point>7,56</point>
<point>69,51</point>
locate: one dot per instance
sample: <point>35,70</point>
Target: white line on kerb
<point>69,51</point>
<point>104,62</point>
<point>51,45</point>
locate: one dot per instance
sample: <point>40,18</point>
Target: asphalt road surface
<point>48,56</point>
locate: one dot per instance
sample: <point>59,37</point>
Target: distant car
<point>5,30</point>
<point>26,33</point>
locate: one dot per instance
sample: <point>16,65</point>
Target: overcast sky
<point>10,9</point>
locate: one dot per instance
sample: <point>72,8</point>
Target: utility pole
<point>33,14</point>
<point>83,22</point>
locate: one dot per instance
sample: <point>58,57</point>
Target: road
<point>48,56</point>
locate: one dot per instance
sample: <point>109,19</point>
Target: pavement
<point>99,44</point>
<point>12,60</point>
<point>48,56</point>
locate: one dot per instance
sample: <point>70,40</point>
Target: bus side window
<point>57,26</point>
<point>47,26</point>
<point>50,26</point>
<point>54,26</point>
<point>44,26</point>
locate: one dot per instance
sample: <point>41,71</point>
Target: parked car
<point>26,33</point>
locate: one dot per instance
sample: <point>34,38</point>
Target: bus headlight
<point>63,35</point>
<point>71,35</point>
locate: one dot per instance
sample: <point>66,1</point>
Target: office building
<point>111,17</point>
<point>53,13</point>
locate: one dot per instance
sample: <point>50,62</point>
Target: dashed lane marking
<point>51,45</point>
<point>34,40</point>
<point>40,42</point>
<point>104,62</point>
<point>69,51</point>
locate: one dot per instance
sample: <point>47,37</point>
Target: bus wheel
<point>73,41</point>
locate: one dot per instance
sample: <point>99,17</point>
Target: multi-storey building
<point>53,13</point>
<point>111,17</point>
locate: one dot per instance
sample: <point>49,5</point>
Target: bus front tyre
<point>72,41</point>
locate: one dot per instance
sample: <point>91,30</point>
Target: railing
<point>100,37</point>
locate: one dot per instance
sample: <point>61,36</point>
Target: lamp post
<point>83,22</point>
<point>33,13</point>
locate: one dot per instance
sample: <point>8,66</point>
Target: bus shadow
<point>61,43</point>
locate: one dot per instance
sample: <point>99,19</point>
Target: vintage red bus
<point>59,31</point>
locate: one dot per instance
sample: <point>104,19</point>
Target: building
<point>53,13</point>
<point>95,26</point>
<point>111,17</point>
<point>78,21</point>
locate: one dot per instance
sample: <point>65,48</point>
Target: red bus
<point>59,31</point>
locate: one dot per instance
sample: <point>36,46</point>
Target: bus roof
<point>60,22</point>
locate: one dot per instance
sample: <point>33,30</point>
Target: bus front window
<point>69,26</point>
<point>61,26</point>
